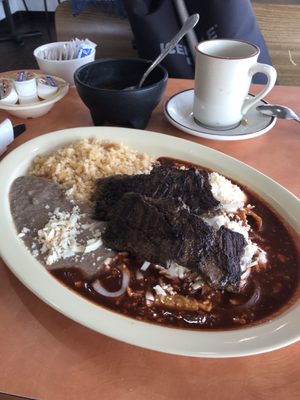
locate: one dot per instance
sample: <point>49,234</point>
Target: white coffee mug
<point>223,74</point>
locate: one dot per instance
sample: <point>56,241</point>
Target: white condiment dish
<point>63,68</point>
<point>32,106</point>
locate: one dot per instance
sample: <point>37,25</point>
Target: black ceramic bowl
<point>102,86</point>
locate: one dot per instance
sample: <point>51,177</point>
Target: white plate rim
<point>279,332</point>
<point>214,135</point>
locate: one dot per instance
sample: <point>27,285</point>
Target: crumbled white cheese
<point>23,232</point>
<point>262,256</point>
<point>216,221</point>
<point>58,238</point>
<point>175,270</point>
<point>107,261</point>
<point>236,226</point>
<point>35,253</point>
<point>168,289</point>
<point>229,195</point>
<point>159,290</point>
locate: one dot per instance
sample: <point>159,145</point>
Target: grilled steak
<point>191,186</point>
<point>164,230</point>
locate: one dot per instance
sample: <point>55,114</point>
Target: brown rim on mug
<point>255,52</point>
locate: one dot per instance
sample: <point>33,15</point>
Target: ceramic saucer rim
<point>215,135</point>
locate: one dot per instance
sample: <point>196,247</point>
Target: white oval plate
<point>281,331</point>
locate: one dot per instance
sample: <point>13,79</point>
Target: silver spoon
<point>187,26</point>
<point>276,110</point>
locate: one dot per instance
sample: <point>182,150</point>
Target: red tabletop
<point>46,356</point>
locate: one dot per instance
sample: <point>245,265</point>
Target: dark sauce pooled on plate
<point>267,291</point>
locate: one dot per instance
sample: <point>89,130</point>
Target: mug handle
<point>271,74</point>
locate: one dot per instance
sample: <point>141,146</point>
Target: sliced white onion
<point>139,275</point>
<point>145,265</point>
<point>92,245</point>
<point>197,285</point>
<point>262,257</point>
<point>97,286</point>
<point>149,296</point>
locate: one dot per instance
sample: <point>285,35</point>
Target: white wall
<point>33,5</point>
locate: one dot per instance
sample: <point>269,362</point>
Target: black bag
<point>155,22</point>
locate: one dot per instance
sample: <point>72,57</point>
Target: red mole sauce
<point>267,291</point>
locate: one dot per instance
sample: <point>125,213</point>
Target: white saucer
<point>179,111</point>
